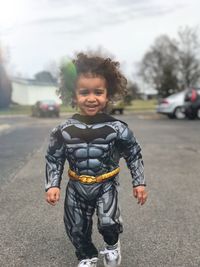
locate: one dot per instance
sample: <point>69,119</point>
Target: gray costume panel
<point>92,149</point>
<point>92,146</point>
<point>81,201</point>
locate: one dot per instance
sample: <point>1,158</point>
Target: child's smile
<point>91,94</point>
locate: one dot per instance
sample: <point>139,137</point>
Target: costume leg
<point>109,219</point>
<point>78,223</point>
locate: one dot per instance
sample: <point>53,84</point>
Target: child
<point>93,143</point>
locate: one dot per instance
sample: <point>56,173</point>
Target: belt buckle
<point>88,179</point>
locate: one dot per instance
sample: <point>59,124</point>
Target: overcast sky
<point>39,31</point>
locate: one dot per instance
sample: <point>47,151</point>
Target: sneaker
<point>88,262</point>
<point>112,255</point>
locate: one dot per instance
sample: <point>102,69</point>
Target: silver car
<point>173,106</point>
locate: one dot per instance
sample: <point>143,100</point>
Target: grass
<point>142,105</point>
<point>136,105</point>
<point>16,109</point>
<point>67,109</point>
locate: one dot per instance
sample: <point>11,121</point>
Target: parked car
<point>46,108</point>
<point>172,106</point>
<point>117,107</point>
<point>192,103</point>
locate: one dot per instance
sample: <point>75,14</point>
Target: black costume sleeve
<point>55,159</point>
<point>130,150</point>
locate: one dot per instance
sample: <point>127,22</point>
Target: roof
<point>32,82</point>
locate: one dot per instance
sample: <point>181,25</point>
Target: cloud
<point>73,17</point>
<point>77,17</point>
<point>125,27</point>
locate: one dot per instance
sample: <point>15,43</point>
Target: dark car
<point>46,108</point>
<point>192,103</point>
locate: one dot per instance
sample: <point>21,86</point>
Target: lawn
<point>16,109</point>
<point>142,105</point>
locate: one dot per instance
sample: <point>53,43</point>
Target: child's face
<point>91,94</point>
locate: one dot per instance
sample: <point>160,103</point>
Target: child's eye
<point>99,91</point>
<point>83,92</point>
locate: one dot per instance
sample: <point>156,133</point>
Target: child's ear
<point>74,102</point>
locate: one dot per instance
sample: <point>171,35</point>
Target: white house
<point>28,91</point>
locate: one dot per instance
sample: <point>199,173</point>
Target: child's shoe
<point>88,262</point>
<point>112,255</point>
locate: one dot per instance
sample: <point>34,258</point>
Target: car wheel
<point>178,113</point>
<point>37,114</point>
<point>170,116</point>
<point>198,113</point>
<point>191,116</point>
<point>40,114</point>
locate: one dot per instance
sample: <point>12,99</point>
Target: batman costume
<point>93,146</point>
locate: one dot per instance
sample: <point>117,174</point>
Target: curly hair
<point>87,64</point>
<point>105,67</point>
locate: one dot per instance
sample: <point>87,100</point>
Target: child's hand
<point>53,195</point>
<point>140,193</point>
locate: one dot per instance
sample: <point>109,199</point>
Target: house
<point>28,91</point>
<point>149,94</point>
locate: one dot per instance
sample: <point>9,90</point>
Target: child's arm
<point>55,159</point>
<point>131,151</point>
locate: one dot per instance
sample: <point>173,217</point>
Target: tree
<point>53,68</point>
<point>5,85</point>
<point>159,66</point>
<point>133,92</point>
<point>189,50</point>
<point>172,65</point>
<point>45,77</point>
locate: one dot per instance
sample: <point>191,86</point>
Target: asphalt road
<point>164,232</point>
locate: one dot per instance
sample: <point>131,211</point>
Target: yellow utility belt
<point>87,179</point>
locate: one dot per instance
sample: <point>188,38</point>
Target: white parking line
<point>4,127</point>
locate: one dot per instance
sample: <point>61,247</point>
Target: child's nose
<point>91,97</point>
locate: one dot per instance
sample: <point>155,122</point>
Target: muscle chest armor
<point>90,149</point>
